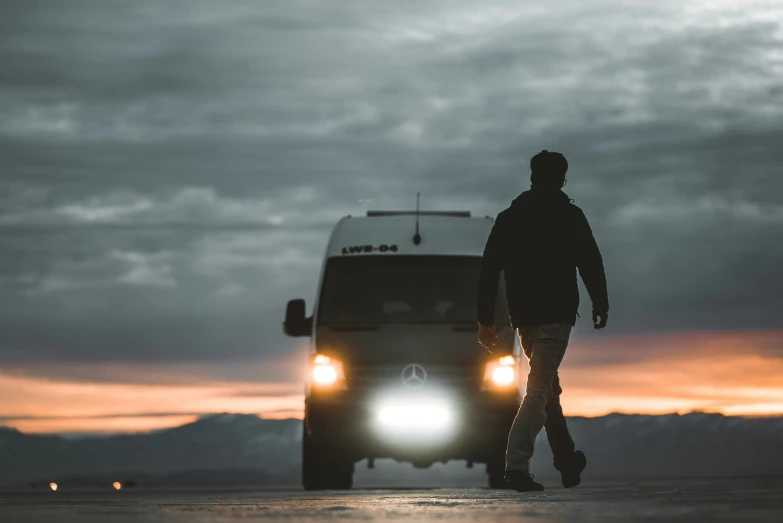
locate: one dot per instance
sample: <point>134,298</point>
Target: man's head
<point>548,170</point>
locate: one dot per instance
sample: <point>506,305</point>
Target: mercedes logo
<point>414,376</point>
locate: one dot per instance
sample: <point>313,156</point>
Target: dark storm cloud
<point>170,170</point>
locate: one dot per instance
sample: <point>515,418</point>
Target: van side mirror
<point>296,323</point>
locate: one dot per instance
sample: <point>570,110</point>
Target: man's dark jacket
<point>539,242</point>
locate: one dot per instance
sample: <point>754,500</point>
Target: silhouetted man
<point>539,242</point>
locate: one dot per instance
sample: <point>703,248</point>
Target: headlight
<point>503,376</point>
<point>327,372</point>
<point>418,415</point>
<point>501,373</point>
<point>412,420</point>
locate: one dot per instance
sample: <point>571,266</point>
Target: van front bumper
<point>471,428</point>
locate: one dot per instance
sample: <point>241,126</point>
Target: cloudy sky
<point>169,172</point>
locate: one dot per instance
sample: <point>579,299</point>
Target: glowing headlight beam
<point>324,374</point>
<point>326,371</point>
<point>503,376</point>
<point>501,373</point>
<point>415,416</point>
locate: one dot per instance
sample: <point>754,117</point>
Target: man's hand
<point>487,336</point>
<point>600,319</point>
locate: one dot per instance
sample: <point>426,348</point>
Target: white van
<point>396,370</point>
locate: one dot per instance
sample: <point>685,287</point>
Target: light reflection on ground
<point>725,500</point>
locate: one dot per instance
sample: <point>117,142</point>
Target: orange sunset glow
<point>733,373</point>
<point>730,373</point>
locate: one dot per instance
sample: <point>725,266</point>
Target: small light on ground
<point>117,485</point>
<point>53,486</point>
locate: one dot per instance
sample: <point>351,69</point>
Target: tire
<point>322,469</point>
<point>496,472</point>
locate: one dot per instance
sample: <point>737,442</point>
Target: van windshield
<point>403,289</point>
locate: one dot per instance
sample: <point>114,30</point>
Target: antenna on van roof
<point>417,236</point>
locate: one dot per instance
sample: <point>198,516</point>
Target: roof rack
<point>459,214</point>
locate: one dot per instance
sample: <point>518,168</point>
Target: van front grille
<point>452,378</point>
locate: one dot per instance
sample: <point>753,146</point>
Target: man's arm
<point>591,269</point>
<point>491,265</point>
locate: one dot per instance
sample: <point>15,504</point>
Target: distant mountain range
<point>233,449</point>
<point>214,443</point>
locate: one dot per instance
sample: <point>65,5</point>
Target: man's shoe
<point>522,481</point>
<point>571,472</point>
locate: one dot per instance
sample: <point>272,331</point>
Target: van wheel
<point>496,472</point>
<point>322,469</point>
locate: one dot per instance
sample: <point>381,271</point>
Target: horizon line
<point>200,417</point>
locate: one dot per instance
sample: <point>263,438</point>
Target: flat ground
<point>746,500</point>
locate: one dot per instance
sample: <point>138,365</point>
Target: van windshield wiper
<point>449,322</point>
<point>353,326</point>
